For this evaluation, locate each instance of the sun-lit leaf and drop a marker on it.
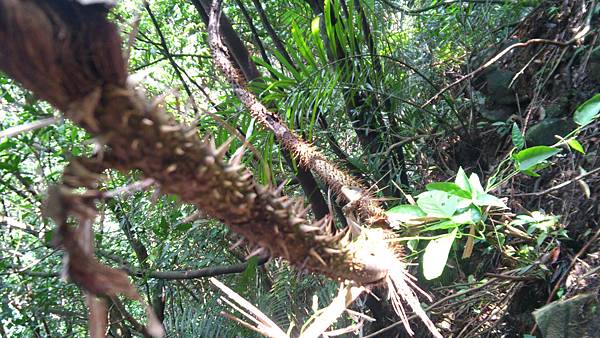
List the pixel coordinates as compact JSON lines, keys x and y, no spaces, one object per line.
{"x":528,"y":158}
{"x":476,"y":187}
{"x":471,"y":215}
{"x":462,"y":180}
{"x":575,"y":145}
{"x":315,"y":26}
{"x":436,"y":255}
{"x":449,"y":187}
{"x":438,"y":203}
{"x":587,"y":111}
{"x":405,"y":212}
{"x":489,"y":200}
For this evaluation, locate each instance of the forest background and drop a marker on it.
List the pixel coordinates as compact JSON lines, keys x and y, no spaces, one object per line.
{"x":472,"y":125}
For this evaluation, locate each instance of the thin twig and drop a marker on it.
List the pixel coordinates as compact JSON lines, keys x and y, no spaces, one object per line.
{"x":510,"y":277}
{"x":25,"y":127}
{"x":414,"y":316}
{"x":409,"y":11}
{"x":559,"y":186}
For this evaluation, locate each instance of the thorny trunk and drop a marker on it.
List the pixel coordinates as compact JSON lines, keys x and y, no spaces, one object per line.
{"x":241,"y":57}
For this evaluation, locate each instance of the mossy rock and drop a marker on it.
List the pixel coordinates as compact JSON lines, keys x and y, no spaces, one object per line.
{"x":594,"y":70}
{"x":543,"y":132}
{"x":575,"y":317}
{"x":558,"y":108}
{"x":498,"y":87}
{"x":500,"y":113}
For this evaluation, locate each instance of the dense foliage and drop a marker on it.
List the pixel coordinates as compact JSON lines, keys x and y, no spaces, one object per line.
{"x":461,"y":152}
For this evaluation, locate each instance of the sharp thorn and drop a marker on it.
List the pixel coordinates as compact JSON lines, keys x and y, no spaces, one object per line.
{"x":256,"y":252}
{"x":309,"y":228}
{"x":297,"y":220}
{"x":236,"y":244}
{"x":303,"y":212}
{"x":332,"y":251}
{"x":279,"y":188}
{"x":236,"y":159}
{"x":317,"y":257}
{"x":222,"y":150}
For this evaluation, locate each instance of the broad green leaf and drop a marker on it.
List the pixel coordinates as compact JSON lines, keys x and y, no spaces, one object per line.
{"x":183,"y":227}
{"x":471,"y":215}
{"x":441,"y":225}
{"x":407,"y":215}
{"x":489,"y":200}
{"x":436,"y":255}
{"x":587,"y":111}
{"x":462,"y":180}
{"x":575,"y":145}
{"x":406,"y":210}
{"x":528,"y":158}
{"x":449,"y":187}
{"x":438,"y":203}
{"x":476,"y":187}
{"x":517,"y":137}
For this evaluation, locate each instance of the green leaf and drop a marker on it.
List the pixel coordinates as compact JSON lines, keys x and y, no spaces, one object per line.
{"x":441,"y":225}
{"x":405,"y":211}
{"x":315,"y":29}
{"x":436,"y":255}
{"x":301,"y":45}
{"x":575,"y":145}
{"x":270,"y":68}
{"x":48,"y":237}
{"x":183,"y":227}
{"x":587,"y":111}
{"x":407,"y":215}
{"x":315,"y":26}
{"x":517,"y":137}
{"x":249,"y":274}
{"x":528,"y":158}
{"x":471,"y":215}
{"x":449,"y":187}
{"x":287,"y":65}
{"x":6,"y":144}
{"x":476,"y":187}
{"x":161,"y":229}
{"x":462,"y":180}
{"x":438,"y":203}
{"x":489,"y":200}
